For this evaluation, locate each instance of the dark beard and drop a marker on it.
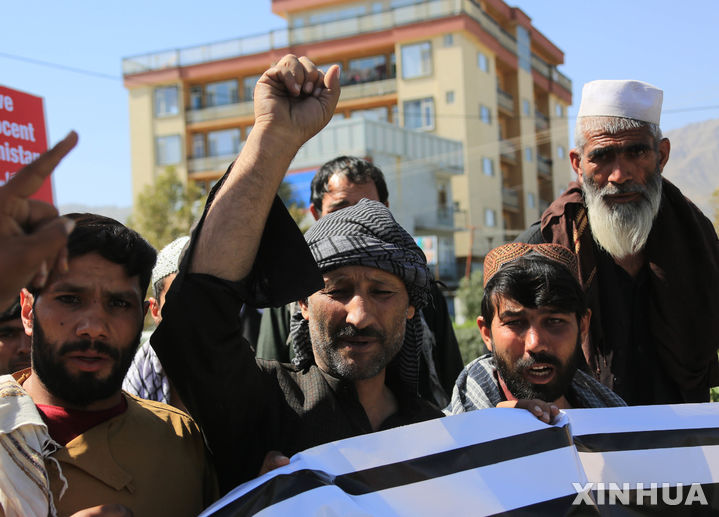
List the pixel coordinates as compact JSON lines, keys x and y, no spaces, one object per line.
{"x":523,"y":389}
{"x":83,"y":389}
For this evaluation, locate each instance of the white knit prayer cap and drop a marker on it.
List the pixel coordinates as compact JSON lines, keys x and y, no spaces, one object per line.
{"x":168,"y":260}
{"x":621,"y":98}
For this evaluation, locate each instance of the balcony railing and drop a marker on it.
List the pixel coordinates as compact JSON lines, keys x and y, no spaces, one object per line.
{"x":505,"y":101}
{"x":510,"y":197}
{"x":541,"y":121}
{"x":283,"y":38}
{"x":544,"y":165}
{"x":442,"y":218}
{"x":507,"y":150}
{"x":369,"y":89}
{"x":239,"y":109}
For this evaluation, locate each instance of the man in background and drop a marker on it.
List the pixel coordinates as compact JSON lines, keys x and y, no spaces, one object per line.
{"x":648,"y":258}
{"x":14,"y":344}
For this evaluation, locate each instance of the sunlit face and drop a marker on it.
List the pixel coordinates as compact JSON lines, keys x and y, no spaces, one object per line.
{"x":621,"y":180}
{"x":85,"y":327}
{"x":341,"y":193}
{"x":357,"y":322}
{"x":535,"y":349}
{"x":14,"y":346}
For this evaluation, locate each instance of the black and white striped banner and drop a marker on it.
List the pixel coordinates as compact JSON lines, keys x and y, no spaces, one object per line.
{"x":615,"y":461}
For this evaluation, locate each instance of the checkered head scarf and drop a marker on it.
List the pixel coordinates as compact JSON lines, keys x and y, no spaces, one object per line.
{"x":366,"y":234}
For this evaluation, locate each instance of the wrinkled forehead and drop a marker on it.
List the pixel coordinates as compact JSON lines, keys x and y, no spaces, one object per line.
{"x":362,"y":274}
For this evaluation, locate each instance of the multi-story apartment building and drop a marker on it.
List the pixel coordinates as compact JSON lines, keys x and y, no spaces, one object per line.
{"x":475,"y":72}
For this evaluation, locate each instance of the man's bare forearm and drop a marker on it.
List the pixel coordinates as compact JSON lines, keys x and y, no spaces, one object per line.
{"x":293,"y":101}
{"x":231,"y":234}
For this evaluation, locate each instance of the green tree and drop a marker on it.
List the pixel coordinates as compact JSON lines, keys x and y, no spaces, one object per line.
{"x":167,"y":209}
{"x":470,"y":294}
{"x":295,"y":206}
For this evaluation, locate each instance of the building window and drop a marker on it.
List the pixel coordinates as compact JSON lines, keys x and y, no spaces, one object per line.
{"x":221,"y":93}
{"x":416,"y":60}
{"x":166,"y":101}
{"x":196,"y":97}
{"x":448,"y":40}
{"x":168,"y":150}
{"x":526,"y":108}
{"x":223,"y":143}
{"x":419,"y":114}
{"x":365,"y":70}
{"x":560,"y":151}
{"x":450,"y":97}
{"x":248,"y":87}
{"x":482,"y":62}
{"x":488,"y":166}
{"x":485,"y":115}
{"x":378,"y":114}
{"x":489,"y":217}
{"x":198,"y":145}
{"x":528,"y":154}
{"x":524,"y":52}
{"x":531,"y":201}
{"x":559,"y":110}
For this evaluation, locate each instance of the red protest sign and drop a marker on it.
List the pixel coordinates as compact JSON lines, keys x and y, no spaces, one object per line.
{"x":23,"y":136}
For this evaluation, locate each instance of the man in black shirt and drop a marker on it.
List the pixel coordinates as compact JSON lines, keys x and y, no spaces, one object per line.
{"x":361,"y":281}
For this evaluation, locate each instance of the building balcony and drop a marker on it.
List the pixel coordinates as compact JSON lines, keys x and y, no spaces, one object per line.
{"x":551,"y":72}
{"x":507,"y":151}
{"x":360,"y":137}
{"x":283,"y":38}
{"x":510,"y":198}
{"x":440,"y":220}
{"x":238,"y":109}
{"x":541,"y":121}
{"x":544,"y":166}
{"x":505,"y":101}
{"x":369,"y":89}
{"x":210,"y":163}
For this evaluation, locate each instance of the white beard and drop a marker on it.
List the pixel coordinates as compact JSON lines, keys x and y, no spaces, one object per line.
{"x":622,"y":229}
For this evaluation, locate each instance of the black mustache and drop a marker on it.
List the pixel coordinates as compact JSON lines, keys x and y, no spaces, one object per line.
{"x":352,"y":331}
{"x":85,"y":345}
{"x":536,"y":358}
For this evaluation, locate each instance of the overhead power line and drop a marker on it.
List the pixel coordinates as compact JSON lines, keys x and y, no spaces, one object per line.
{"x":60,"y":67}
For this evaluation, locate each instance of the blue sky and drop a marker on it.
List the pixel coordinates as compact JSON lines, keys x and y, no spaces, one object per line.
{"x":670,"y":44}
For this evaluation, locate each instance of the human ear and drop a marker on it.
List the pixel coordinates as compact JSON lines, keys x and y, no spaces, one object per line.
{"x":305,"y":308}
{"x":26,"y":310}
{"x":486,"y":331}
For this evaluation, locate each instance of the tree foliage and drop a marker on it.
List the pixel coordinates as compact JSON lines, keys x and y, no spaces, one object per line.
{"x":295,"y":206}
{"x":470,"y":293}
{"x":167,"y":209}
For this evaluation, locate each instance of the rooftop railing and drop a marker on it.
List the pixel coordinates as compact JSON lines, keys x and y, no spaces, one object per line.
{"x":283,"y":38}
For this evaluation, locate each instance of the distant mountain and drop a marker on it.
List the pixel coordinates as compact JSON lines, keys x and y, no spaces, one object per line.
{"x":693,"y":164}
{"x":121,"y":213}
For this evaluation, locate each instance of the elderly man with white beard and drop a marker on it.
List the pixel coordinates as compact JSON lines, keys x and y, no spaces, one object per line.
{"x":648,"y":258}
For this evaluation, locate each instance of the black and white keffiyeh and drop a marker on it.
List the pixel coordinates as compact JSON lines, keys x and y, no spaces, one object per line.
{"x":366,"y":234}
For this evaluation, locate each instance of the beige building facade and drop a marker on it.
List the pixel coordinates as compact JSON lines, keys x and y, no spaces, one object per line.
{"x":469,"y":73}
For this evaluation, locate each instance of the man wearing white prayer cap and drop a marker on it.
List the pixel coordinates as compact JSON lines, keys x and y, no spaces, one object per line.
{"x":648,"y":259}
